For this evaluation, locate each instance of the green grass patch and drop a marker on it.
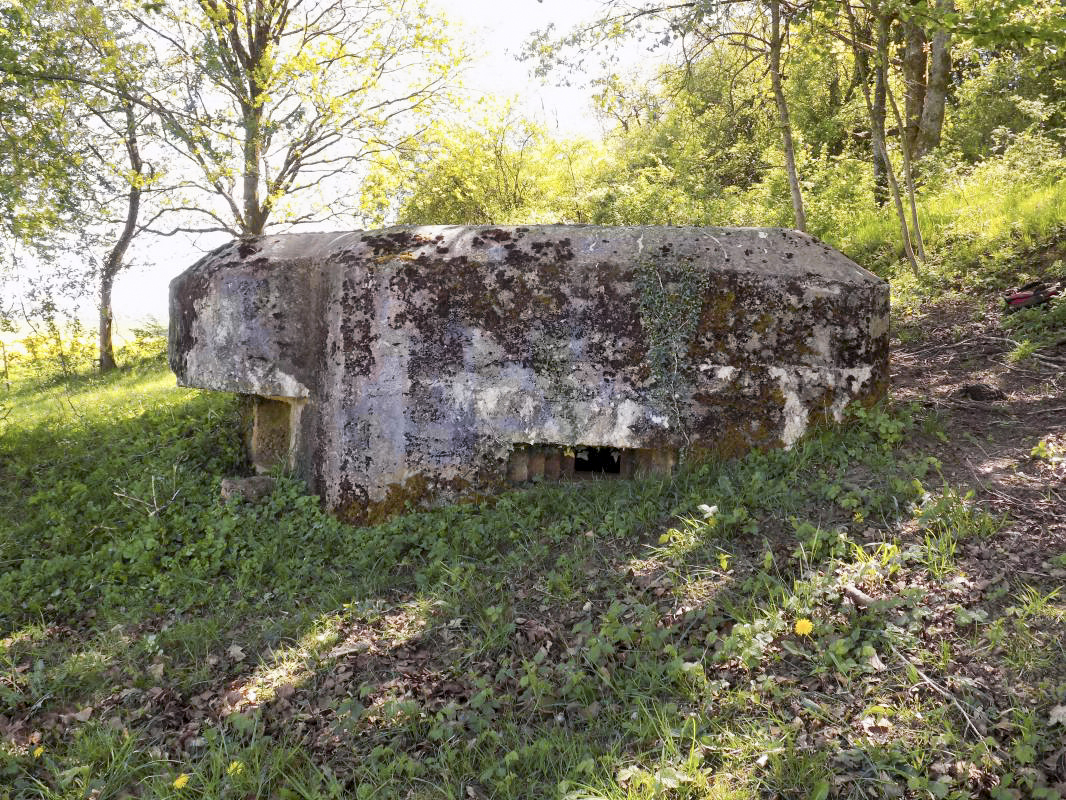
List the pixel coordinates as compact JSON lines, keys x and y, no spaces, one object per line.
{"x":994,"y":226}
{"x":692,"y":637}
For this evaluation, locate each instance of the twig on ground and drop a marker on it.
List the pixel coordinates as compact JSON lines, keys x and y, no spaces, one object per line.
{"x":858,"y":596}
{"x":978,"y":405}
{"x":947,"y":695}
{"x":1014,"y":368}
{"x":942,"y":346}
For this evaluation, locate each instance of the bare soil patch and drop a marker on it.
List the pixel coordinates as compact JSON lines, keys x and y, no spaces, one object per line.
{"x":954,"y":358}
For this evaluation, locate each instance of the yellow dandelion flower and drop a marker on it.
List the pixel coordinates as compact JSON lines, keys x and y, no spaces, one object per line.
{"x":235,"y":768}
{"x":804,"y":627}
{"x":38,"y":752}
{"x":180,"y":781}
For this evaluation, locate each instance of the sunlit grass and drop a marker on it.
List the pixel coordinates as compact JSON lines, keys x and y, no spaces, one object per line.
{"x":89,"y":401}
{"x":975,"y":228}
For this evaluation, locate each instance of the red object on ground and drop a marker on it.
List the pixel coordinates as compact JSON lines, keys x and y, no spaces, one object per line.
{"x":1032,"y":294}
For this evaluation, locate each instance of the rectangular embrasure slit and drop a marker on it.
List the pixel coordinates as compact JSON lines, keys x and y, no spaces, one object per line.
{"x":562,"y":462}
{"x":598,"y":461}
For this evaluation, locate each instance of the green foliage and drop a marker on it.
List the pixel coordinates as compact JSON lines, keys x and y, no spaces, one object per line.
{"x":994,"y":215}
{"x":1038,"y":327}
{"x":689,"y":163}
{"x":704,"y":148}
{"x":1003,"y":96}
{"x":40,"y":168}
{"x":121,"y":536}
{"x":1047,"y":450}
{"x":504,"y":170}
{"x":53,"y":353}
{"x":671,"y":299}
{"x":984,"y":227}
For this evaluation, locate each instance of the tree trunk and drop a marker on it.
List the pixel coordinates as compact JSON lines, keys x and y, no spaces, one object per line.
{"x":908,"y":177}
{"x":932,"y":121}
{"x":783,"y":117}
{"x":836,"y":145}
{"x":914,"y":62}
{"x":107,"y":350}
{"x":893,"y":185}
{"x":259,"y":28}
{"x":57,"y":341}
{"x":876,"y":134}
{"x":255,"y":215}
{"x":877,"y":121}
{"x":114,"y":262}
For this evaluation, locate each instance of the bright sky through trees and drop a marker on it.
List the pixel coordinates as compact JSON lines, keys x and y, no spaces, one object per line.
{"x":495,"y":33}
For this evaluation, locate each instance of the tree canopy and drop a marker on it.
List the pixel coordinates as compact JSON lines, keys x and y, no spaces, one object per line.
{"x":264,"y":113}
{"x":239,"y":117}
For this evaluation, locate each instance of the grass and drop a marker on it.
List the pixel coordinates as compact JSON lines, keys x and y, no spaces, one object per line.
{"x":997,"y":225}
{"x":985,"y":220}
{"x":619,"y":639}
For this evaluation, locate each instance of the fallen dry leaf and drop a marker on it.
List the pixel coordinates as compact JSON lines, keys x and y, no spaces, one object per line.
{"x":349,"y":648}
{"x":878,"y":725}
{"x":1057,"y":716}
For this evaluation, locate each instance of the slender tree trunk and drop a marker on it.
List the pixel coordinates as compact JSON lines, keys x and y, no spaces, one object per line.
{"x":890,"y":173}
{"x":255,"y":215}
{"x":893,"y":187}
{"x":908,"y":178}
{"x":784,"y":123}
{"x":877,"y":121}
{"x":107,"y":350}
{"x":114,"y":262}
{"x":836,"y":146}
{"x":878,"y":137}
{"x":932,"y":121}
{"x":61,"y":354}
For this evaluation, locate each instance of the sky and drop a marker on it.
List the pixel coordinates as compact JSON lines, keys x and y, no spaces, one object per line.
{"x":498,"y":30}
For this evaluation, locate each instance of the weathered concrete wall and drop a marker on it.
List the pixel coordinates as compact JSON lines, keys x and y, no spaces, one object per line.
{"x":413,"y":364}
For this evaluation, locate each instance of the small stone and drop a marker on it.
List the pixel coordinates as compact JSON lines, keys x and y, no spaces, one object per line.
{"x":247,"y":490}
{"x":982,"y":392}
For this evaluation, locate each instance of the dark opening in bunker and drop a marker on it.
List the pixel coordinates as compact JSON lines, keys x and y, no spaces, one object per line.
{"x":598,"y":460}
{"x":561,"y":462}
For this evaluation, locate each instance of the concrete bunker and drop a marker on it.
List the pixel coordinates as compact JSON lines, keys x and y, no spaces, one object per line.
{"x":409,"y":366}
